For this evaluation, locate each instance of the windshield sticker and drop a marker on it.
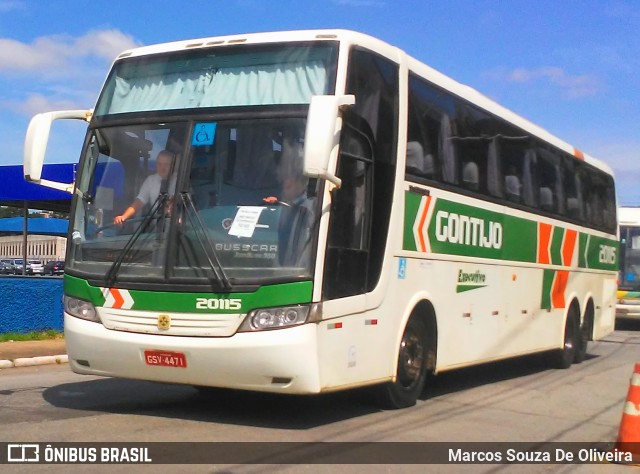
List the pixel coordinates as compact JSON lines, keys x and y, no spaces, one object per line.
{"x":246,"y":221}
{"x":203,"y":134}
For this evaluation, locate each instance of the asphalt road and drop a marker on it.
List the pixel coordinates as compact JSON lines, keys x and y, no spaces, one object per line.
{"x":520,"y":400}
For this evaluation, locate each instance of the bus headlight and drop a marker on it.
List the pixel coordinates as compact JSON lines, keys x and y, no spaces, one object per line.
{"x":275,"y":318}
{"x":80,"y":309}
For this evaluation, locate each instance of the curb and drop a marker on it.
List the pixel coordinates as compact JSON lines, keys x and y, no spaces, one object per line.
{"x":33,"y":361}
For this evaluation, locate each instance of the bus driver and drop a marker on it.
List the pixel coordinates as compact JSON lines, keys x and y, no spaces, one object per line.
{"x":151,"y":186}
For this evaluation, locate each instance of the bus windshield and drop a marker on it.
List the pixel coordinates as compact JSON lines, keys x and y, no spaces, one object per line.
{"x":232,"y":207}
{"x":192,"y":169}
{"x":629,"y":258}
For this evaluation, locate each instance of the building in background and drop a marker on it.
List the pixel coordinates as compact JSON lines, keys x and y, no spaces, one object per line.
{"x":45,"y":238}
{"x":40,"y":247}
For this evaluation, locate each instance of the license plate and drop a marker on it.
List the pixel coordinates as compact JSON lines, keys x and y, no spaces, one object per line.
{"x":165,"y":358}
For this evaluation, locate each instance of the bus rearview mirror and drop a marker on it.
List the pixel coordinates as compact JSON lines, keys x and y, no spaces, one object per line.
{"x":322,"y":136}
{"x":35,"y":145}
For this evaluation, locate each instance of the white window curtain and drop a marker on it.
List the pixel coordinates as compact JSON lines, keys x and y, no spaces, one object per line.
{"x":291,"y":83}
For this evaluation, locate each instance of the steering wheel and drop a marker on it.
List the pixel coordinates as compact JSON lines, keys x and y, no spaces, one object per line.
{"x":97,"y":230}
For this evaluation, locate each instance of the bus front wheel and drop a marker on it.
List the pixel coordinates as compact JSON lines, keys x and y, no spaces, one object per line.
{"x":411,"y":371}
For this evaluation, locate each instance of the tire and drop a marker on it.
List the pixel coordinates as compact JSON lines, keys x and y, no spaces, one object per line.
{"x":583,"y":340}
{"x":411,"y":370}
{"x":207,"y":391}
{"x":563,"y":358}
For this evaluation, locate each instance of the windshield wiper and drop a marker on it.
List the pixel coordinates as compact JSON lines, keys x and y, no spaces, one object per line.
{"x":205,"y":243}
{"x":157,"y":205}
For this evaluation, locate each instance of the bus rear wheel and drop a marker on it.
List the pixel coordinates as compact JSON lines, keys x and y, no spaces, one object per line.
{"x":563,"y":358}
{"x":411,"y":370}
{"x":583,"y":340}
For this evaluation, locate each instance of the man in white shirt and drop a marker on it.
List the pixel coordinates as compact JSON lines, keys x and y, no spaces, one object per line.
{"x":150,"y":188}
{"x":296,"y":220}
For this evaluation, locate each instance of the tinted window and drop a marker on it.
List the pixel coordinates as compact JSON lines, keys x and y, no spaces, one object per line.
{"x":348,"y":239}
{"x":572,"y":183}
{"x":454,"y":144}
{"x":367,"y":165}
{"x":428,"y":129}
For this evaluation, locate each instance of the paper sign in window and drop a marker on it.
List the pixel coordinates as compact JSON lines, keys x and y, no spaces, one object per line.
{"x":246,"y":220}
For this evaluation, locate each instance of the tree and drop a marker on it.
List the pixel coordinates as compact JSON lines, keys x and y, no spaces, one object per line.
{"x":6,"y":211}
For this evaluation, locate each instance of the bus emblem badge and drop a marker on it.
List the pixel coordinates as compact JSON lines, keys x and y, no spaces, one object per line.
{"x":164,"y":322}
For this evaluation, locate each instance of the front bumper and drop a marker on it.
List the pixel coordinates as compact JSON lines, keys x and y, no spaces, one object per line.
{"x":283,"y":361}
{"x":628,"y":311}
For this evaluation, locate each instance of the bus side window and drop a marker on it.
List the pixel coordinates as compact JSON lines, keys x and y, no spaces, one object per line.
{"x":573,"y":189}
{"x":471,"y":176}
{"x":546,"y":199}
{"x":600,"y":204}
{"x":424,"y":130}
{"x":475,"y":129}
{"x":512,"y":187}
{"x":348,"y":240}
{"x":418,"y":163}
{"x":548,"y":179}
{"x":447,"y":149}
{"x":593,"y":204}
{"x":494,"y":184}
{"x":528,"y":178}
{"x":510,"y":177}
{"x":610,"y":209}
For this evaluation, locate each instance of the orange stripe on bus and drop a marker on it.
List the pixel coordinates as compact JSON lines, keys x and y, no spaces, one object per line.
{"x":118,"y":299}
{"x":423,"y":218}
{"x":544,"y":239}
{"x":559,"y":287}
{"x":568,"y":246}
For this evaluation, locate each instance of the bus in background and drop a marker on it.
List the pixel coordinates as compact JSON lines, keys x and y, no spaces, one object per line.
{"x":628,"y":306}
{"x":329,"y":213}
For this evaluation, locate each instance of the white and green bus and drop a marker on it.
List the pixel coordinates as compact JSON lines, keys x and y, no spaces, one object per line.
{"x":432,"y":228}
{"x":629,"y":280}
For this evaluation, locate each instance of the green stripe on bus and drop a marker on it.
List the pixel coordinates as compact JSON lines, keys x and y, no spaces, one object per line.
{"x":582,"y":256}
{"x":460,"y":229}
{"x":520,"y":239}
{"x":602,"y":253}
{"x":547,"y":283}
{"x":463,"y":288}
{"x":411,"y":206}
{"x":266,"y":296}
{"x":556,"y":245}
{"x":79,"y":288}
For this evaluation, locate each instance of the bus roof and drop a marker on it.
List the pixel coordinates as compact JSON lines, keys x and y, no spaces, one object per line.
{"x":394,"y":53}
{"x":629,"y":216}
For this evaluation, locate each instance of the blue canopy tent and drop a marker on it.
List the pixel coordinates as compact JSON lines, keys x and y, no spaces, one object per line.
{"x":39,"y":226}
{"x":15,"y":191}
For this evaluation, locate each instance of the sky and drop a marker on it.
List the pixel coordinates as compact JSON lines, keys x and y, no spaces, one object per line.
{"x":571,"y":66}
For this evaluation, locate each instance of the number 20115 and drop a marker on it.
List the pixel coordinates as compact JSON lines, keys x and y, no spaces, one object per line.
{"x":218,"y":303}
{"x":607,"y":254}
